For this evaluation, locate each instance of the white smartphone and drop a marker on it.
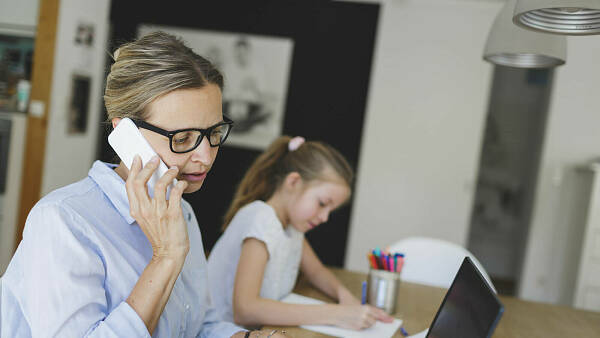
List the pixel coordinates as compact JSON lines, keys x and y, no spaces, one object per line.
{"x":127,"y":141}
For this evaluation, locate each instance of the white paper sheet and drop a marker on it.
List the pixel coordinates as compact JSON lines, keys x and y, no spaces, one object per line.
{"x":379,"y":330}
{"x":421,"y":334}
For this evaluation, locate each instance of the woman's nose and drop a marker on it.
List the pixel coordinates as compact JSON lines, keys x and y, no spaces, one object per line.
{"x":203,"y":153}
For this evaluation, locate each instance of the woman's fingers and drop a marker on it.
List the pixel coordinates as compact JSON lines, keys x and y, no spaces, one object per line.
{"x":160,"y":188}
{"x":140,"y":180}
{"x":161,"y":220}
{"x":134,"y":205}
{"x":175,"y":198}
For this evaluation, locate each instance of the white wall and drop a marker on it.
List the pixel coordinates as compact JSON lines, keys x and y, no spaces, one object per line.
{"x":572,"y":138}
{"x":69,"y":157}
{"x":425,"y":117}
{"x":424,"y":124}
{"x":18,"y":17}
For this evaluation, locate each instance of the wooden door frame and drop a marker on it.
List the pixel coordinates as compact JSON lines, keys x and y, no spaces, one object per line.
{"x":41,"y":89}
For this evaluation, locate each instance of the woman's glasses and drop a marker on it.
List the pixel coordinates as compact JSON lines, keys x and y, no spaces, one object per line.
{"x":186,"y":140}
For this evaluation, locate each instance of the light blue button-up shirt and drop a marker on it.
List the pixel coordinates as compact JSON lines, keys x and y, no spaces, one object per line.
{"x":80,"y":257}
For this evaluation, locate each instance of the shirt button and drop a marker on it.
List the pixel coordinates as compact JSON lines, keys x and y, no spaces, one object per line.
{"x":187,"y":306}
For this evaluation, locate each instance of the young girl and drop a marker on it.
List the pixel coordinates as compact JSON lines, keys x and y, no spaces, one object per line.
{"x":290,"y":189}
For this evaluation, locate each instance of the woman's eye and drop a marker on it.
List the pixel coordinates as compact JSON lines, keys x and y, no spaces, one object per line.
{"x":321,"y":204}
{"x":181,"y":140}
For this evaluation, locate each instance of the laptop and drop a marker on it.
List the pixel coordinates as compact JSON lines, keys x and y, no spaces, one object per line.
{"x":470,"y":308}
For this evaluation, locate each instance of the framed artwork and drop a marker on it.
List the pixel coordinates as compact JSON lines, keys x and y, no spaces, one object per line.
{"x":79,"y":104}
{"x":256,"y":71}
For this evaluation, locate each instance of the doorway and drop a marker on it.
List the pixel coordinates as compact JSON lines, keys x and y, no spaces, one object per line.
{"x":508,"y":169}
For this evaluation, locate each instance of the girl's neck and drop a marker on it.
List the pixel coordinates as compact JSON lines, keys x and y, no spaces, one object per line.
{"x":276,"y":202}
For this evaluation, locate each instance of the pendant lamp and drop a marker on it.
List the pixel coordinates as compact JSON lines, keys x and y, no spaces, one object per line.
{"x":568,"y":17}
{"x":513,"y":46}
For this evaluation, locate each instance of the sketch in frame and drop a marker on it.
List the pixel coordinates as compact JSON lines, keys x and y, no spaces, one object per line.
{"x":256,"y":70}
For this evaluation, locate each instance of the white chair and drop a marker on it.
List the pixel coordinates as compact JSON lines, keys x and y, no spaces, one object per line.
{"x":432,"y":261}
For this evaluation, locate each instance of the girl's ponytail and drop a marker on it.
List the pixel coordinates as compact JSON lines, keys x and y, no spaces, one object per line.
{"x":260,"y":181}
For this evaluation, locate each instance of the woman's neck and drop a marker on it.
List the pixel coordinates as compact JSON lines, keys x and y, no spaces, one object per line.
{"x":122,"y":171}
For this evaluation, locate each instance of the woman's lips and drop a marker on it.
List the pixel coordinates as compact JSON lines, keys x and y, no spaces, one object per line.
{"x":312,"y":225}
{"x":194,"y":177}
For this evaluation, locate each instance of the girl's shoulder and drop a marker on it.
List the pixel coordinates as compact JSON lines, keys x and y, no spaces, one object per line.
{"x":257,"y":209}
{"x":257,"y":213}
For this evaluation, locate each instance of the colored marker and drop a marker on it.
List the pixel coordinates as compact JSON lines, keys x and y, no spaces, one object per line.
{"x":372,"y":261}
{"x":404,"y":333}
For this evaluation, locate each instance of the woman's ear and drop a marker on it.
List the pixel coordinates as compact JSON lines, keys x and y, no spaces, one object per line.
{"x":115,"y":121}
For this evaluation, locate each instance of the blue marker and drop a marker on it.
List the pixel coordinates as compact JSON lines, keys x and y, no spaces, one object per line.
{"x":404,"y":333}
{"x":364,"y":292}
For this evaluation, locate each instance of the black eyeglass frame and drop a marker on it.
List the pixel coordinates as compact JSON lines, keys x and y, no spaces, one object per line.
{"x":203,"y":133}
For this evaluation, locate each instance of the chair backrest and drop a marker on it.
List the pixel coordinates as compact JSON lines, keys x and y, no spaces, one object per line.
{"x":433,"y":261}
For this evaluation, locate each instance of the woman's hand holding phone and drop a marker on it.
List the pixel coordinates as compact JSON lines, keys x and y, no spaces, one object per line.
{"x":160,"y":219}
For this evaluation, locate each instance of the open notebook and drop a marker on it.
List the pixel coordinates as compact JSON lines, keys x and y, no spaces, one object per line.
{"x":379,"y":330}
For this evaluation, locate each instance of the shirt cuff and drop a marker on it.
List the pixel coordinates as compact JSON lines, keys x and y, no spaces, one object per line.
{"x":233,"y":329}
{"x":131,"y":325}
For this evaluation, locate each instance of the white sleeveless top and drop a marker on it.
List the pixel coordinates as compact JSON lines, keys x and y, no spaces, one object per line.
{"x":257,"y":220}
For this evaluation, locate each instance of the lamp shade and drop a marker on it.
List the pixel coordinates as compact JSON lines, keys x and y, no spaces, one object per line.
{"x":512,"y":46}
{"x":569,"y":17}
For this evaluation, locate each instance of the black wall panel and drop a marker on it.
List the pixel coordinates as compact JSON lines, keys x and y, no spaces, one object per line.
{"x":328,"y":84}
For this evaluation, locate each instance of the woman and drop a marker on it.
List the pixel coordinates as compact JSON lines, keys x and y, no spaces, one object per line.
{"x":100,"y":257}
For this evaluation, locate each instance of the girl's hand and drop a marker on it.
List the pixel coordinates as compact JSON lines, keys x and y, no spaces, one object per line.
{"x":358,"y":317}
{"x":346,"y":298}
{"x":161,"y":221}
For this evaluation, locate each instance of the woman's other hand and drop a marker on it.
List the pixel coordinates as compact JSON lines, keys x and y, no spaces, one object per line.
{"x":161,"y":221}
{"x":262,"y":334}
{"x":358,"y":317}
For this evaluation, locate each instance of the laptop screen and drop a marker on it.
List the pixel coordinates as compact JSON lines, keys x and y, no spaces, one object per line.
{"x":470,"y":308}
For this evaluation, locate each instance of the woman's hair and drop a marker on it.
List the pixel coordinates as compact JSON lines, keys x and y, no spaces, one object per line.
{"x":149,"y":67}
{"x":269,"y":170}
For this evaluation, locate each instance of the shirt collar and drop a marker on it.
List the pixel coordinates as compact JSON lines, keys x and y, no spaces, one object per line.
{"x":113,"y":187}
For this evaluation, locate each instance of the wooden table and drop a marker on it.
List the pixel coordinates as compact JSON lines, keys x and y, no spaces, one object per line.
{"x":417,"y":305}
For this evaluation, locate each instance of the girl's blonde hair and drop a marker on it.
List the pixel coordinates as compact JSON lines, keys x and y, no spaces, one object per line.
{"x":270,"y":169}
{"x":149,"y":67}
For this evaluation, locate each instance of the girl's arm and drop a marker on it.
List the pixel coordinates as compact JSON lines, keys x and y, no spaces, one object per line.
{"x":319,"y":276}
{"x":250,"y":309}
